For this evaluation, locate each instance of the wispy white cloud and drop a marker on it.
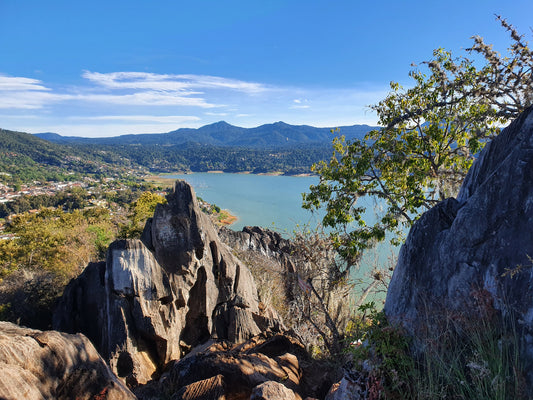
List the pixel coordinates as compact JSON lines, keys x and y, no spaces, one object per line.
{"x":29,"y":99}
{"x":149,"y":89}
{"x":177,"y":119}
{"x":299,"y":104}
{"x":205,"y":81}
{"x":216,"y":114}
{"x":148,"y":98}
{"x":167,"y":82}
{"x":20,"y":84}
{"x":25,"y":93}
{"x":300,"y":107}
{"x":126,"y":88}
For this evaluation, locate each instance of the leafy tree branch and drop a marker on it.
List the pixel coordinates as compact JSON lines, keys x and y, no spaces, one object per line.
{"x":431,"y":133}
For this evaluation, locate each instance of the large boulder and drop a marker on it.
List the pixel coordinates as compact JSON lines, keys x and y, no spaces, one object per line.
{"x":53,"y":365}
{"x":155,"y":299}
{"x":472,"y":253}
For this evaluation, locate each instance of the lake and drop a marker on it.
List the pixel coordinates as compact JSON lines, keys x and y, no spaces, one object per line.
{"x":274,"y":202}
{"x":256,"y":200}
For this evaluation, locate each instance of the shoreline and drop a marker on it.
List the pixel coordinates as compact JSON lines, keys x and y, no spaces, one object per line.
{"x":163,"y":177}
{"x":229,"y":219}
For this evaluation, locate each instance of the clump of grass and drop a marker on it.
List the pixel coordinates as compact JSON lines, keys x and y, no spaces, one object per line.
{"x":381,"y":354}
{"x":474,"y":354}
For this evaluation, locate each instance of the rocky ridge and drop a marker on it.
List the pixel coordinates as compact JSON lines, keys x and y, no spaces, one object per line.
{"x":178,"y":311}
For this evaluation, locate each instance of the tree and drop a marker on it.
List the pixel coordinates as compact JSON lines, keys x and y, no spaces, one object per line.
{"x":140,"y":211}
{"x":430,"y":135}
{"x":319,"y":288}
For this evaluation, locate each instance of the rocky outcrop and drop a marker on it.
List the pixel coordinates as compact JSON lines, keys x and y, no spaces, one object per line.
{"x":206,"y":389}
{"x":254,"y":238}
{"x":345,"y":389}
{"x":154,"y":300}
{"x":239,"y":371}
{"x":52,"y":365}
{"x":474,"y":252}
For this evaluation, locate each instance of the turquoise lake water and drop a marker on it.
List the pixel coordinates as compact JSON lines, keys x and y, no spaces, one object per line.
{"x":256,"y":200}
{"x":274,"y":202}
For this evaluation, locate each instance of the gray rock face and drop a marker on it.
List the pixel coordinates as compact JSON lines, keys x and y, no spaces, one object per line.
{"x":272,"y":390}
{"x":154,"y":300}
{"x":253,"y":238}
{"x":346,"y":390}
{"x":463,"y":247}
{"x":262,"y":245}
{"x":52,"y":365}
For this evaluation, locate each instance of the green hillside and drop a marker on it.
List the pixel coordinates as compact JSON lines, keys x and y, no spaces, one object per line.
{"x":25,"y":158}
{"x":277,"y":147}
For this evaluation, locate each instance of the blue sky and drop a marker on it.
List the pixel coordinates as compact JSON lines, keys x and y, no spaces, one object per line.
{"x":104,"y":68}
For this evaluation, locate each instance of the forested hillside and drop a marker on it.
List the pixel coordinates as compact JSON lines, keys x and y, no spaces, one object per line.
{"x":268,"y":148}
{"x":24,"y":158}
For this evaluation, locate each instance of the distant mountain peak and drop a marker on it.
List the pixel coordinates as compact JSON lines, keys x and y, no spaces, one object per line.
{"x":47,"y":135}
{"x":220,"y":124}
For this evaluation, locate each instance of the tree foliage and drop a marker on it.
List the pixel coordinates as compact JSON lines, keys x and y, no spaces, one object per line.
{"x":61,"y":243}
{"x":140,"y":210}
{"x":430,"y":135}
{"x":47,"y":249}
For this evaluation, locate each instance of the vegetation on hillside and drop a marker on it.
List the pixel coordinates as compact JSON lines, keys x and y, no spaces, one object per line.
{"x":45,"y":250}
{"x":25,"y":158}
{"x":202,"y":158}
{"x":139,"y":212}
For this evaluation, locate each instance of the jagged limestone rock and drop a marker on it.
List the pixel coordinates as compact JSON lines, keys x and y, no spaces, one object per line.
{"x":207,"y":389}
{"x":53,"y":365}
{"x":254,"y":238}
{"x":457,"y":256}
{"x":156,"y":299}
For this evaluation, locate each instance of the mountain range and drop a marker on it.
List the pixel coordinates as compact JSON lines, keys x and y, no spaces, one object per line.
{"x":277,"y":147}
{"x":221,"y":133}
